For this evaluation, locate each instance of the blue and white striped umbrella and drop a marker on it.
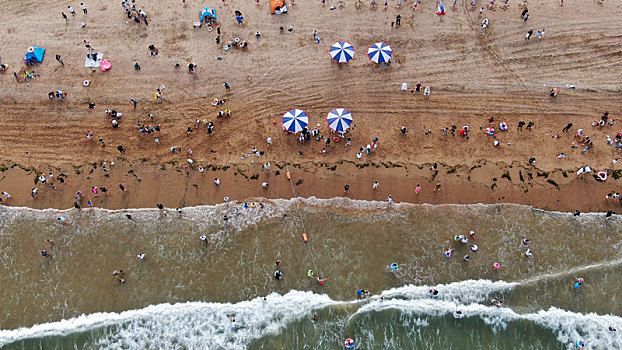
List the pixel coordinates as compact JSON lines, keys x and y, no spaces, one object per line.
{"x":339,"y":119}
{"x":342,"y":51}
{"x":380,"y":52}
{"x":295,"y":120}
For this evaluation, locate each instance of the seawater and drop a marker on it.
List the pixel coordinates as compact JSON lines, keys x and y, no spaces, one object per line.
{"x":185,"y":293}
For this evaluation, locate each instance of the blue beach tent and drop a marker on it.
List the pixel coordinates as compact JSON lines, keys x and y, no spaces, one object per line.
{"x":35,"y":54}
{"x":208,"y":14}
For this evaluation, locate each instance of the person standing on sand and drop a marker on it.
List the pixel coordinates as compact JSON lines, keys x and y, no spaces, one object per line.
{"x":64,"y":17}
{"x":71,"y":10}
{"x":375,"y":186}
{"x":83,"y":6}
{"x":417,"y":189}
{"x":60,"y":60}
{"x":227,"y":86}
{"x":437,"y":187}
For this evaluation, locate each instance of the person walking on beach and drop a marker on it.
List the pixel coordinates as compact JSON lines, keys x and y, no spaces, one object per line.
{"x":64,"y":17}
{"x":121,"y":149}
{"x":83,"y":6}
{"x":60,"y":60}
{"x":375,"y":186}
{"x":133,"y":102}
{"x":71,"y":10}
{"x":567,"y":127}
{"x":522,"y":15}
{"x":417,"y":189}
{"x":227,"y":86}
{"x":437,"y":187}
{"x":528,"y":35}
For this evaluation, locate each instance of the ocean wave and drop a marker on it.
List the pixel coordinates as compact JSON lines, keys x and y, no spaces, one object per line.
{"x":188,"y":325}
{"x":335,"y":202}
{"x":568,"y":327}
{"x":192,"y":324}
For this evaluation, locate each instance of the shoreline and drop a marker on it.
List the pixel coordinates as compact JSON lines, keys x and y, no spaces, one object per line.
{"x":150,"y":184}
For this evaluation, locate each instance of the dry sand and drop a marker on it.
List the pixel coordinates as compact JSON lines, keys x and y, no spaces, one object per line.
{"x":474,"y":74}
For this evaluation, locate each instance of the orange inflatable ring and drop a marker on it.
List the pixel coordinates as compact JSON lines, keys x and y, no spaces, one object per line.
{"x":336,"y":139}
{"x":31,"y":49}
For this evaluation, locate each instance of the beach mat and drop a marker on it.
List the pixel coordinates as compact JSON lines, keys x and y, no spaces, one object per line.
{"x":91,"y":63}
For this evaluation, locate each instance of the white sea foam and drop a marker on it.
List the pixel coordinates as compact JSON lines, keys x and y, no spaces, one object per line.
{"x":469,"y":291}
{"x":567,"y":326}
{"x":191,"y":325}
{"x":201,"y":324}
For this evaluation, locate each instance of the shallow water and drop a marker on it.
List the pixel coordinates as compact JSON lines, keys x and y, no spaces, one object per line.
{"x":352,"y":243}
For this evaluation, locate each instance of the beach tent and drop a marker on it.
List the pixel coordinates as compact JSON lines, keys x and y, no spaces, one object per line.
{"x":342,"y":51}
{"x":295,"y":120}
{"x":339,"y":119}
{"x":208,"y":14}
{"x":278,"y":7}
{"x":34,"y":54}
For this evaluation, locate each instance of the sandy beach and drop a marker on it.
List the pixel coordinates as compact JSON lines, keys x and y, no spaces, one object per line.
{"x":474,"y":74}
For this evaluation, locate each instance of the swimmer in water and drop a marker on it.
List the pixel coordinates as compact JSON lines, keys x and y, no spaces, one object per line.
{"x":612,"y":329}
{"x":141,"y":256}
{"x":528,"y":253}
{"x":467,"y":258}
{"x":61,"y":219}
{"x":314,"y":317}
{"x":278,"y":275}
{"x":204,"y":239}
{"x":277,"y":263}
{"x":474,"y":247}
{"x":394,"y":267}
{"x":310,"y":274}
{"x":464,"y":240}
{"x":496,"y":302}
{"x":321,"y":280}
{"x":433,"y":292}
{"x":525,"y":241}
{"x":472,"y":233}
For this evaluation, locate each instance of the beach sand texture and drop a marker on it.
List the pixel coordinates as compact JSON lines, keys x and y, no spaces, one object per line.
{"x":474,"y":74}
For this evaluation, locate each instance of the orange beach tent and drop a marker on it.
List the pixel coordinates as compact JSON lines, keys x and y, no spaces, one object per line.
{"x":277,"y":6}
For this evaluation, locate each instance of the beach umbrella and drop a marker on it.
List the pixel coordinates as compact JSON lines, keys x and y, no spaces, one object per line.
{"x":342,"y":51}
{"x":380,"y":52}
{"x":339,"y":119}
{"x":295,"y":120}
